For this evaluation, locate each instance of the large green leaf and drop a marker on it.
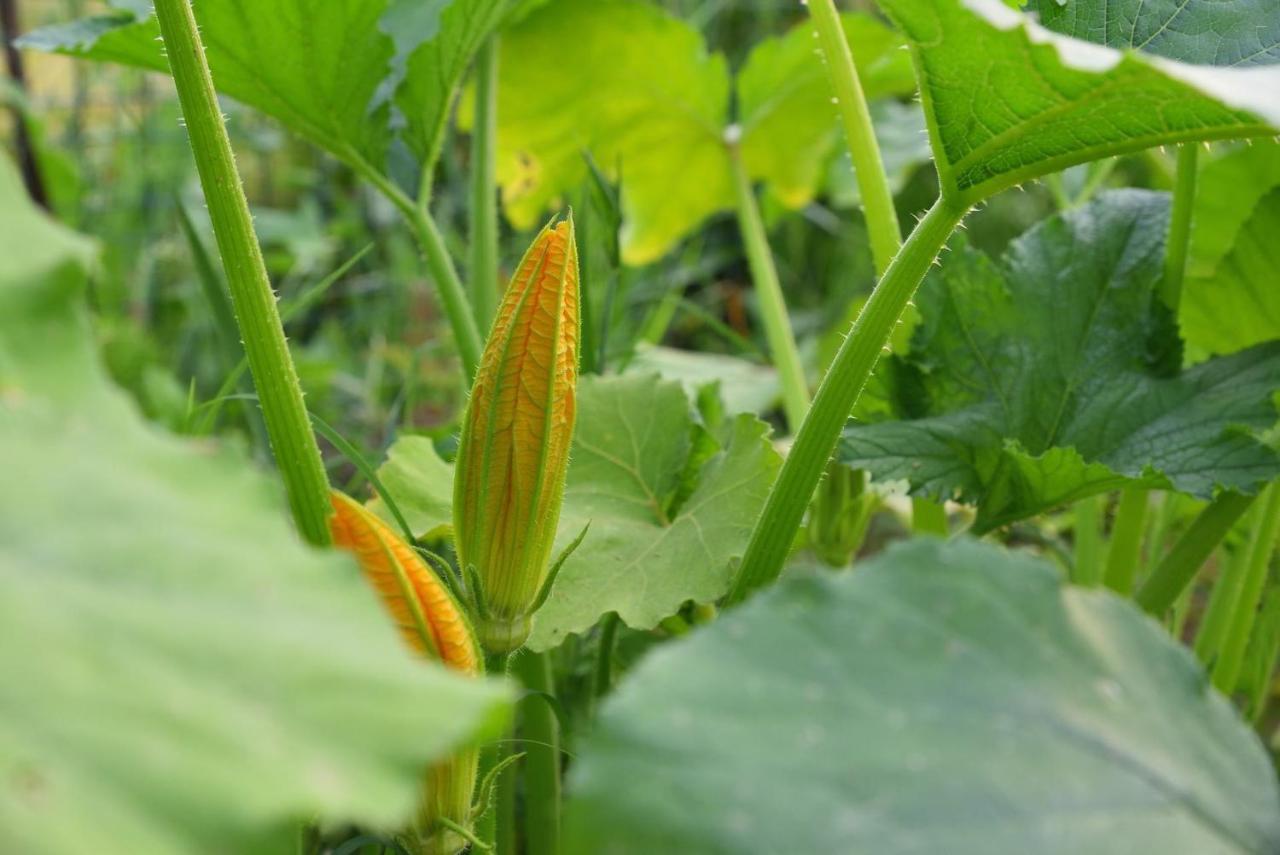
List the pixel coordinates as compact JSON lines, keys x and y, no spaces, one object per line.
{"x":652,"y":544}
{"x":323,"y":70}
{"x":945,"y":697}
{"x":181,"y":673}
{"x":1230,"y":299}
{"x":1206,"y":32}
{"x":580,"y":75}
{"x":1055,"y":374}
{"x":1009,"y":100}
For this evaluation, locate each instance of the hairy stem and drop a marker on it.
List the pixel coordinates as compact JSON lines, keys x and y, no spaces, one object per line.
{"x":1262,"y":543}
{"x":775,"y":531}
{"x":877,"y":198}
{"x":540,"y":735}
{"x":1177,"y":569}
{"x":773,"y":308}
{"x":267,"y":351}
{"x":1125,"y":552}
{"x":484,"y":187}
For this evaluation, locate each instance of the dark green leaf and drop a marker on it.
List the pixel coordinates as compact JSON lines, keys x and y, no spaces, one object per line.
{"x":1054,"y":374}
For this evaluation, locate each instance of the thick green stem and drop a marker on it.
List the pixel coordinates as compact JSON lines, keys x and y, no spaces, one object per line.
{"x":270,"y":362}
{"x":1175,"y":255}
{"x":1177,"y":569}
{"x":484,"y":187}
{"x":1125,"y":552}
{"x":775,"y":531}
{"x":540,"y":735}
{"x":877,"y":197}
{"x":773,"y":308}
{"x":1262,"y":543}
{"x":453,"y":297}
{"x":1087,"y":534}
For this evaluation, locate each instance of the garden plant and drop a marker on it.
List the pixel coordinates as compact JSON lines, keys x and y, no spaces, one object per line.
{"x":770,"y":428}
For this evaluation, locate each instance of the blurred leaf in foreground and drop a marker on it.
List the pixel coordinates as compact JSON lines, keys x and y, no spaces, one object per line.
{"x":181,"y":673}
{"x":944,"y":697}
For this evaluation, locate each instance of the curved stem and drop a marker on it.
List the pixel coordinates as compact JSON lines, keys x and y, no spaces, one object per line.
{"x":540,"y":734}
{"x":775,"y":531}
{"x":877,"y":197}
{"x":453,"y":297}
{"x":483,"y":274}
{"x":773,"y":308}
{"x":1125,"y":553}
{"x":267,"y":351}
{"x":1262,"y":543}
{"x":1176,"y":571}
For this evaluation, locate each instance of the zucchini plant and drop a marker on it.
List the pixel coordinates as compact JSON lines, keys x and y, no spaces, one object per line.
{"x":622,"y":630}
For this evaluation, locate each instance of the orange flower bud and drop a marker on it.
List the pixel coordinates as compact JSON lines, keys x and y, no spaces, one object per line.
{"x":515,"y":439}
{"x":429,"y":618}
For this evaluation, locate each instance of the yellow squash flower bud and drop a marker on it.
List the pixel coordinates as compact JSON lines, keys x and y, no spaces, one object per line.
{"x":434,"y":625}
{"x":515,"y":440}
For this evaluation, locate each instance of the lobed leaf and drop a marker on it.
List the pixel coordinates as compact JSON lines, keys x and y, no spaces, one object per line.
{"x":654,"y":130}
{"x":1055,"y":374}
{"x":648,"y":552}
{"x":945,"y":697}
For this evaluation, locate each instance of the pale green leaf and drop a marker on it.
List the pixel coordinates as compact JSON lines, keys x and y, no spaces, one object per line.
{"x":638,"y":89}
{"x":422,"y":486}
{"x":1230,"y":299}
{"x":644,"y":556}
{"x":634,"y":86}
{"x":943,"y":697}
{"x":1055,"y":374}
{"x":1009,"y":100}
{"x":182,"y":674}
{"x":744,"y":387}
